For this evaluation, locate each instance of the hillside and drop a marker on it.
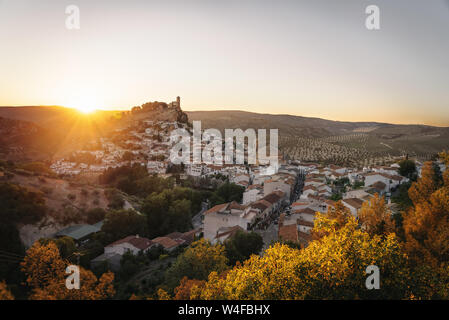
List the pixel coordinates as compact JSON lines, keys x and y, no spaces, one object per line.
{"x":43,"y":132}
{"x":315,"y":139}
{"x":52,"y":131}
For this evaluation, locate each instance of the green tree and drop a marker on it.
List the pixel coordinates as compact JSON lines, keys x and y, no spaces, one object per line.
{"x":407,"y":168}
{"x":197,"y":262}
{"x":227,"y":192}
{"x":242,"y":245}
{"x":95,"y":215}
{"x":122,"y":223}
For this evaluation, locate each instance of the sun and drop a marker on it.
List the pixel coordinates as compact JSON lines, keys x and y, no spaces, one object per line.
{"x":85,"y":104}
{"x":85,"y":109}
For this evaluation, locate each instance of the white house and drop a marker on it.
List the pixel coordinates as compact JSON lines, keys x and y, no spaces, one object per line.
{"x":134,"y":244}
{"x":353,"y":204}
{"x":252,"y":195}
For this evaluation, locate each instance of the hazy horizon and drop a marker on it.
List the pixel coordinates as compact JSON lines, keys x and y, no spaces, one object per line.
{"x":304,"y":58}
{"x":238,"y":110}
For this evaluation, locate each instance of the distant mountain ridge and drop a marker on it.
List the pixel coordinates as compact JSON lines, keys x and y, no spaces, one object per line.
{"x":68,"y":129}
{"x":338,"y":142}
{"x":290,"y":124}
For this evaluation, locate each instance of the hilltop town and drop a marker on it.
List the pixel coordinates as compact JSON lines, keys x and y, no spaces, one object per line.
{"x":279,"y":206}
{"x":120,"y":204}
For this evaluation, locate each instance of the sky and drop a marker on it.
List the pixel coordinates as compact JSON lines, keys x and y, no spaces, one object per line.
{"x":308,"y":58}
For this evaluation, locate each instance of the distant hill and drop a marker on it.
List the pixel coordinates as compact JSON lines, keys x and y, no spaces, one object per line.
{"x":37,"y":132}
{"x":287,"y":124}
{"x":316,"y":139}
{"x":57,"y":130}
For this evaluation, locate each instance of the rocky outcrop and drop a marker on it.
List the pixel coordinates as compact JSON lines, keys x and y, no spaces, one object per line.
{"x":160,"y":111}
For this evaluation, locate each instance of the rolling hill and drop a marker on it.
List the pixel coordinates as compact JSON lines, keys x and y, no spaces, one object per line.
{"x":315,"y":139}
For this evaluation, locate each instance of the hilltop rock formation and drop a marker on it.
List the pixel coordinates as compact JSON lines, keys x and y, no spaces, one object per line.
{"x":160,"y":111}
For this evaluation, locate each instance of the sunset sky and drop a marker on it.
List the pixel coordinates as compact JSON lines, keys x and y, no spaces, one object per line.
{"x":309,"y":58}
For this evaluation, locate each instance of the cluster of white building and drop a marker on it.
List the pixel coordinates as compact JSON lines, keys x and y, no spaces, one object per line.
{"x":296,"y":224}
{"x":150,"y":147}
{"x":265,"y":196}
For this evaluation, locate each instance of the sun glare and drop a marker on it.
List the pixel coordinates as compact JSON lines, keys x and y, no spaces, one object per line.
{"x":84,"y":105}
{"x":85,"y":109}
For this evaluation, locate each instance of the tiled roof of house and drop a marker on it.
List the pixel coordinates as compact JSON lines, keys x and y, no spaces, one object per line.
{"x":280,"y":193}
{"x":236,"y":206}
{"x":306,"y":211}
{"x":138,"y":242}
{"x":306,"y":223}
{"x":166,"y":242}
{"x":174,"y":235}
{"x":288,"y":232}
{"x":354,"y":202}
{"x":304,"y":237}
{"x":379,"y":185}
{"x":309,"y":187}
{"x":189,"y":236}
{"x":272,"y":198}
{"x":218,"y":207}
{"x":294,"y":204}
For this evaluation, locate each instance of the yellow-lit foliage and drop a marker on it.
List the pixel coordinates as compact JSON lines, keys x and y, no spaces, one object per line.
{"x":375,"y":217}
{"x":183,"y":291}
{"x":45,"y":274}
{"x":332,"y":267}
{"x":421,"y":190}
{"x":426,"y":225}
{"x":335,"y":218}
{"x":5,"y":294}
{"x":163,"y":295}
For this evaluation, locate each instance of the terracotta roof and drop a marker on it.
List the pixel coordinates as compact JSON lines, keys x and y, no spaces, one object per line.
{"x":189,"y":236}
{"x":288,"y":232}
{"x":396,"y":177}
{"x":306,"y":223}
{"x":166,"y":242}
{"x":354,"y":202}
{"x":304,"y":237}
{"x":294,"y":204}
{"x":235,"y":205}
{"x":218,"y":207}
{"x":136,"y":241}
{"x":272,"y":198}
{"x":259,"y":205}
{"x":334,"y":167}
{"x":309,"y":188}
{"x":313,"y":180}
{"x":379,"y":185}
{"x":280,"y":193}
{"x":306,"y":211}
{"x":174,"y":235}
